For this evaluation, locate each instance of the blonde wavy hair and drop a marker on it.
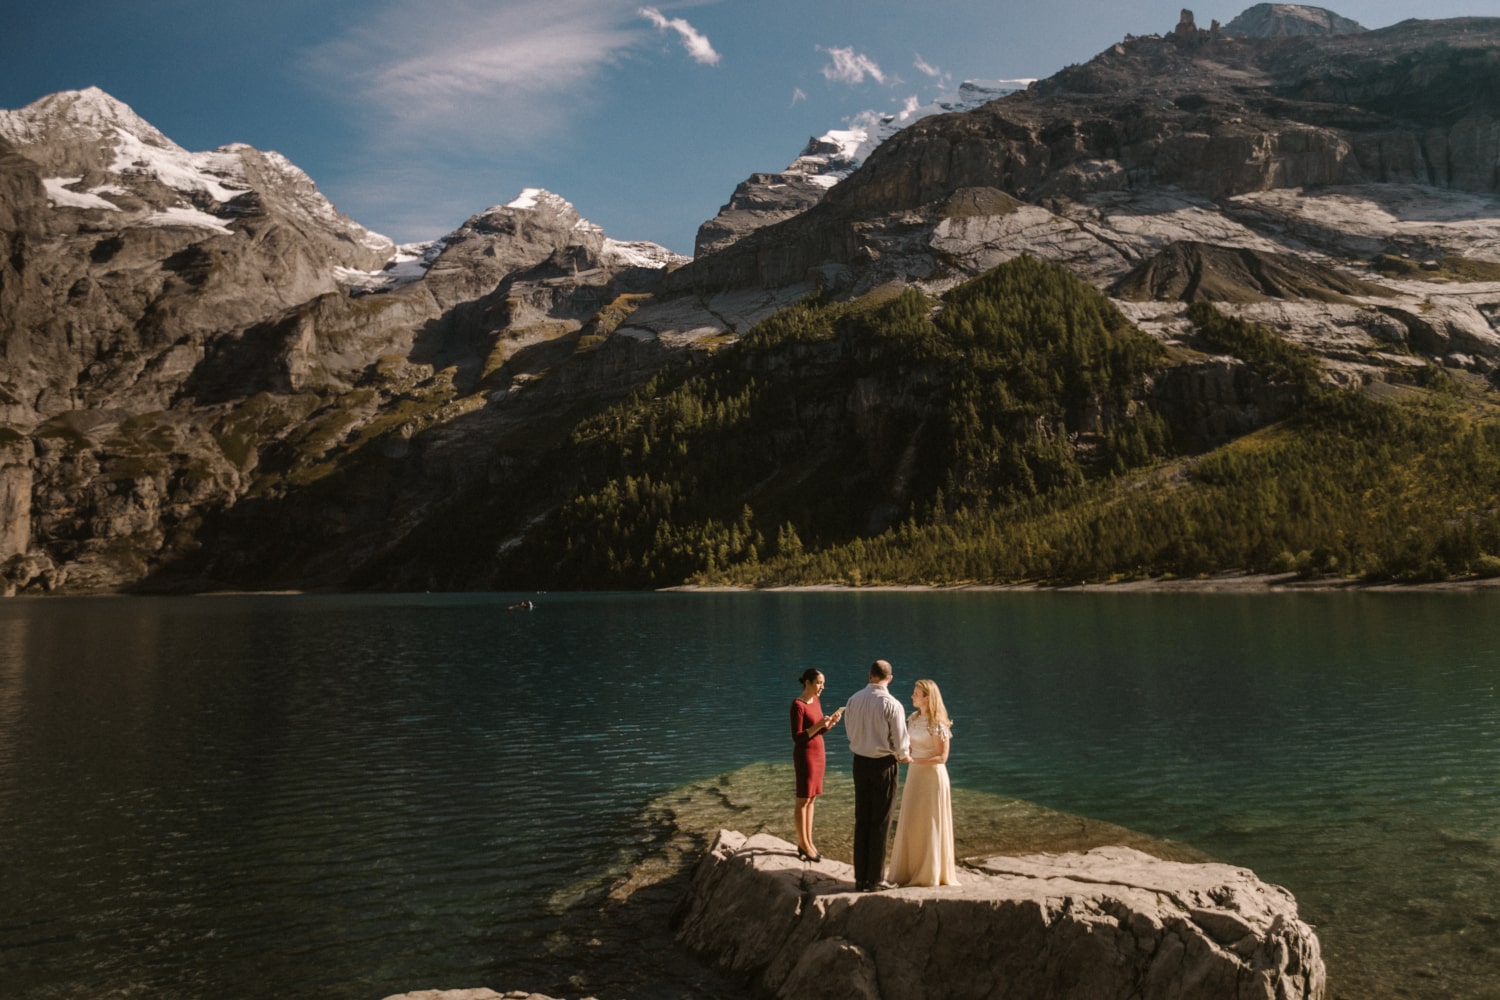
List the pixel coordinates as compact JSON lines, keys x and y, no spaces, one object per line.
{"x":937,"y":712}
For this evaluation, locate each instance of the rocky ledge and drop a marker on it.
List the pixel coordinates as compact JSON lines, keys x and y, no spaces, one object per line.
{"x":1112,"y":922}
{"x":480,"y":993}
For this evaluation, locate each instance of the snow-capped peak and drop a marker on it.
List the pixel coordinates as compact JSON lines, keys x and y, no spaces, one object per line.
{"x":531,"y":199}
{"x":534,"y":199}
{"x":88,"y":132}
{"x":528,"y":198}
{"x":78,"y":114}
{"x":220,"y":174}
{"x":829,"y":158}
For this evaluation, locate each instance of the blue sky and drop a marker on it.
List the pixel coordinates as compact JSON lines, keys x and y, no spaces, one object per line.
{"x":412,"y":115}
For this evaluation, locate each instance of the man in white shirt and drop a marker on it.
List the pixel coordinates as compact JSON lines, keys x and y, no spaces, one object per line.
{"x":875,"y":723}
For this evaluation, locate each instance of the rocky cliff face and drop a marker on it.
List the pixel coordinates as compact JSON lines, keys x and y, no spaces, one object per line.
{"x":1285,"y":20}
{"x":1366,"y":156}
{"x":130,"y":253}
{"x":759,"y":201}
{"x":767,"y":198}
{"x":1233,"y":140}
{"x":183,"y":332}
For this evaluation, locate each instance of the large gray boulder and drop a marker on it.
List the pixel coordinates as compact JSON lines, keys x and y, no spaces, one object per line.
{"x":1109,"y":923}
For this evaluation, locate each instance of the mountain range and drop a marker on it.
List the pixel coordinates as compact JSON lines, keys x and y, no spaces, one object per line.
{"x":214,"y":380}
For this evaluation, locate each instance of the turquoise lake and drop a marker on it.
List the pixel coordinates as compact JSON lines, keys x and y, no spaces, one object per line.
{"x":354,"y":796}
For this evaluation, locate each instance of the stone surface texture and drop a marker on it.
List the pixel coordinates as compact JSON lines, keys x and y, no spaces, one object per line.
{"x":1281,"y":20}
{"x":1109,"y":923}
{"x":479,"y":993}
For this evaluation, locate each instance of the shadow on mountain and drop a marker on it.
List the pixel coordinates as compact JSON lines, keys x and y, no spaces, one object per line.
{"x":237,"y":366}
{"x":398,"y":505}
{"x":327,"y":533}
{"x":1188,"y":271}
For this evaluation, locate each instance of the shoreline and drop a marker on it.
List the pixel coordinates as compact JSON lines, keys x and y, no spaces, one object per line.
{"x":1230,"y":583}
{"x":1223,"y":583}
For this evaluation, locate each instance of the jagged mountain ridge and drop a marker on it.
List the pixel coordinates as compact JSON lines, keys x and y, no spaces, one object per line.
{"x":96,"y":153}
{"x":767,"y":198}
{"x":173,"y":321}
{"x":1342,"y":147}
{"x":1201,"y":112}
{"x":156,"y":430}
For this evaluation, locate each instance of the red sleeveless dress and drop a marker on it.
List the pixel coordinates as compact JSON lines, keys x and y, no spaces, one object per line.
{"x":807,"y":752}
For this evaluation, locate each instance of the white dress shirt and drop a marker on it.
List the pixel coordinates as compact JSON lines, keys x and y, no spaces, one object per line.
{"x":875,"y":723}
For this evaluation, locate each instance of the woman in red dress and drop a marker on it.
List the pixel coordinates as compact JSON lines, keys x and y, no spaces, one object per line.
{"x":808,"y":726}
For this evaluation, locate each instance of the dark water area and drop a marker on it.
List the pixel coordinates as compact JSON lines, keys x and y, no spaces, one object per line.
{"x":349,"y":797}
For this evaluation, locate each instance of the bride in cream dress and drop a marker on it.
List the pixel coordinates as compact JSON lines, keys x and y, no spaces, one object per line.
{"x":923,"y":853}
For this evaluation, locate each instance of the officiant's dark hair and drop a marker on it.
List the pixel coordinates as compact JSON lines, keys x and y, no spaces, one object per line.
{"x":810,"y":675}
{"x":880,"y":670}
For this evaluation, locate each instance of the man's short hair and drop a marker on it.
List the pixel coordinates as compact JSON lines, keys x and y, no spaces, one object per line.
{"x":880,"y":671}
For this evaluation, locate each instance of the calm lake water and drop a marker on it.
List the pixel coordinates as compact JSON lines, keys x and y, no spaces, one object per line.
{"x":348,"y":797}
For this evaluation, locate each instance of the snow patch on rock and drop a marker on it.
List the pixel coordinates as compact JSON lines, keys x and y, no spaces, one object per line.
{"x":60,"y":195}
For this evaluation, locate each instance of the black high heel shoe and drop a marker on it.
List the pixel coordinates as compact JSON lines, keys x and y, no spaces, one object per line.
{"x":804,"y":856}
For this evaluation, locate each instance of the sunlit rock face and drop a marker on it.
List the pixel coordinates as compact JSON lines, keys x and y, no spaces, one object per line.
{"x":1229,"y":137}
{"x":767,"y":198}
{"x":1284,"y":20}
{"x":1109,"y":923}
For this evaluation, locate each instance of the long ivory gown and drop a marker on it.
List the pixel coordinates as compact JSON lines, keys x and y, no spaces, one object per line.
{"x":923,"y":853}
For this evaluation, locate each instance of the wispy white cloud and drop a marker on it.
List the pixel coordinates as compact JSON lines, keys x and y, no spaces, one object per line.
{"x":940,"y":77}
{"x":850,"y":67}
{"x":798,"y":94}
{"x":697,"y":45}
{"x":471,"y":73}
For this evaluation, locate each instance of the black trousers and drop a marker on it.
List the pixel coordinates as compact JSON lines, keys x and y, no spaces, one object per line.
{"x":874,"y":801}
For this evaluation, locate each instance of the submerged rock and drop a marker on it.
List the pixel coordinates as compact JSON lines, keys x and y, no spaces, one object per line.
{"x":626,"y":926}
{"x":1110,"y":922}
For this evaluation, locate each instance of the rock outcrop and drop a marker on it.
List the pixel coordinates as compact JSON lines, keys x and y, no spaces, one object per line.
{"x":761,"y":200}
{"x":764,"y":199}
{"x":1287,"y":20}
{"x":1189,"y":271}
{"x":1109,"y":923}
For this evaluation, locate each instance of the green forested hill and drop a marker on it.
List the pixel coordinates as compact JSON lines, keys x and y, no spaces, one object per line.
{"x":1014,"y":431}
